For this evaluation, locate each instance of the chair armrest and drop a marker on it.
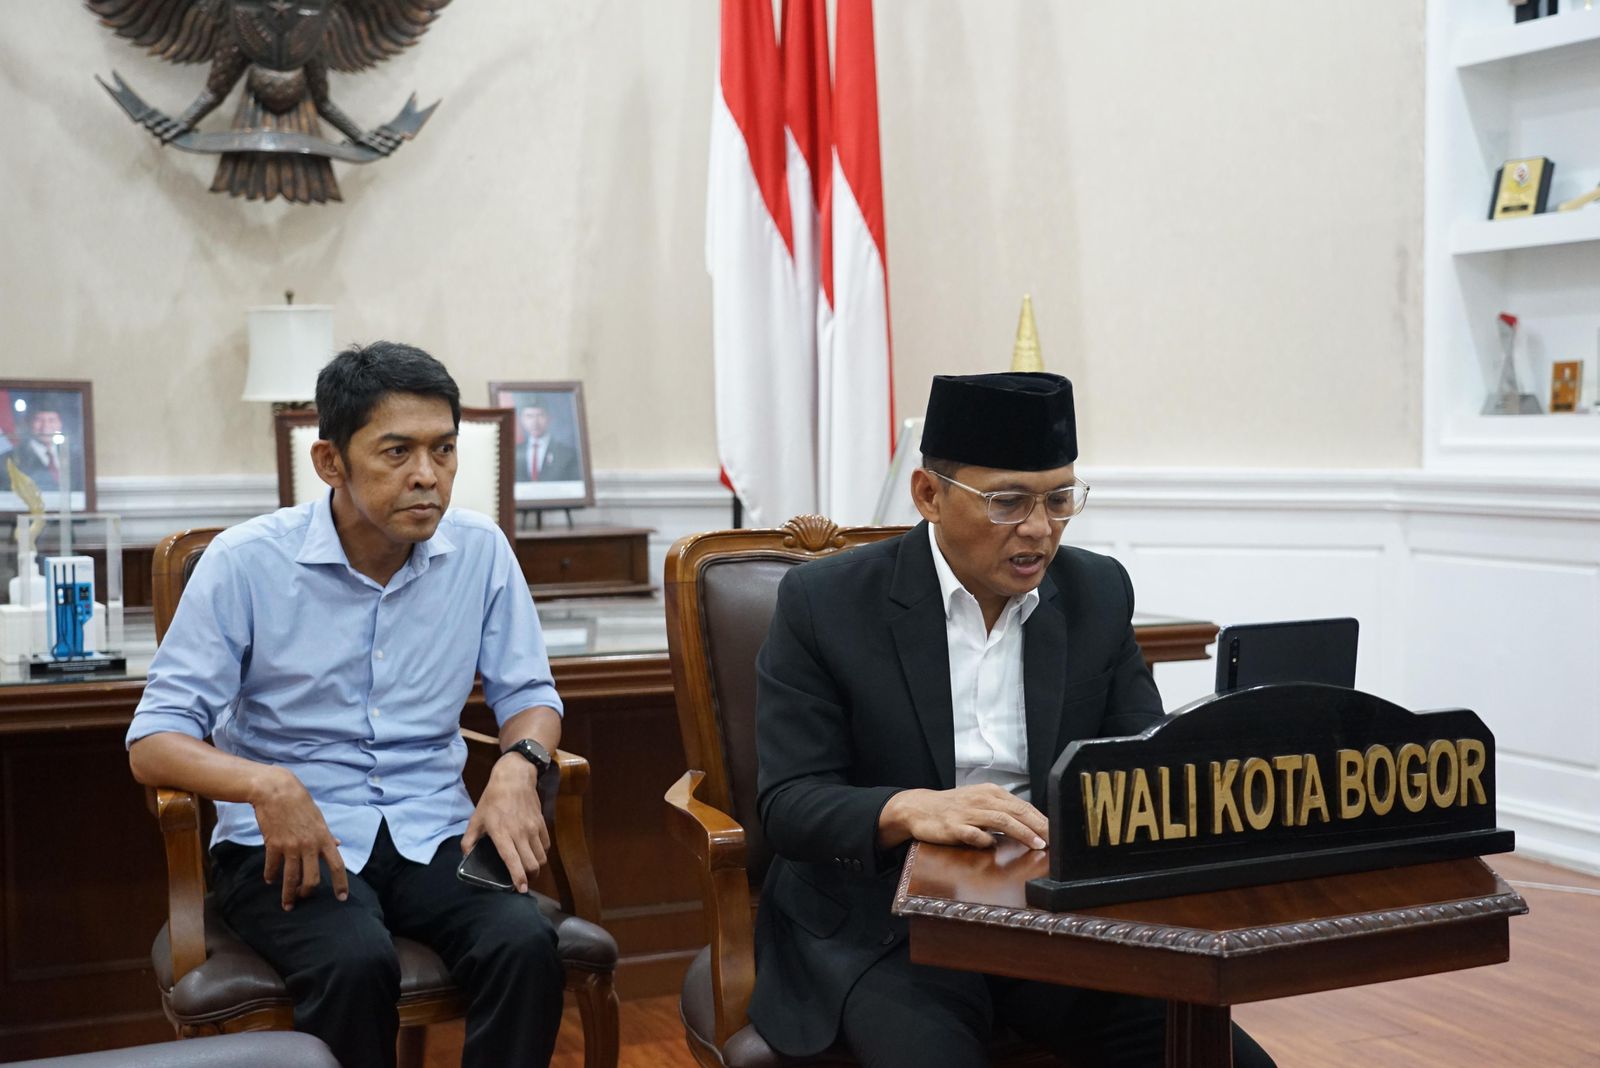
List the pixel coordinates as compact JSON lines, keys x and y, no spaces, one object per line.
{"x":178,"y":814}
{"x":571,"y":865}
{"x":717,"y":842}
{"x":571,"y":870}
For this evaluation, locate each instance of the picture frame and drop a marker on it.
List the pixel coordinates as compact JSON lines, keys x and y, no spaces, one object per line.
{"x":32,"y":410}
{"x":558,"y":473}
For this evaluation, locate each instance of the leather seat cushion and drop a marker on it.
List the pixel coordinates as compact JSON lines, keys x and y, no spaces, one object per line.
{"x":253,"y":1049}
{"x":234,"y":975}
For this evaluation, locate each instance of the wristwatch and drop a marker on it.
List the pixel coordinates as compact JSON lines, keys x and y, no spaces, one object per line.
{"x":536,"y":754}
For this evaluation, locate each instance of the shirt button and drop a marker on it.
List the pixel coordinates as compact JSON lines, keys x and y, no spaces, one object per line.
{"x":376,"y":712}
{"x":378,"y":653}
{"x":376,"y":780}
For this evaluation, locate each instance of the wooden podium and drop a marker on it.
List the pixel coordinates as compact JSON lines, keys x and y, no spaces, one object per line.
{"x":1206,"y":952}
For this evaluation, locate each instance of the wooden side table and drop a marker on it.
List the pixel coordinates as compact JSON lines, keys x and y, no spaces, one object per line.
{"x":585,"y":561}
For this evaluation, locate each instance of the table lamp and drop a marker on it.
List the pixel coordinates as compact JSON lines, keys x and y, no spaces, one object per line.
{"x":289,"y":344}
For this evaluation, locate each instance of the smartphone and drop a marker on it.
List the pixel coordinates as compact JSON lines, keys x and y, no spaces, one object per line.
{"x":483,"y":867}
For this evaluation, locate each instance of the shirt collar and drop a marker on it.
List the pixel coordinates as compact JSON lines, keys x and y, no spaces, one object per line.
{"x":951,"y":590}
{"x":322,"y":544}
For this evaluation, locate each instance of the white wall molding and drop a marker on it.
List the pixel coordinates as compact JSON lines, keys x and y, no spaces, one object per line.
{"x":153,"y":507}
{"x":212,"y":498}
{"x":1404,"y":491}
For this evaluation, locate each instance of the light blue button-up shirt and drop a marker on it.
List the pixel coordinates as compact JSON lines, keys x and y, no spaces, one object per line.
{"x":284,"y":654}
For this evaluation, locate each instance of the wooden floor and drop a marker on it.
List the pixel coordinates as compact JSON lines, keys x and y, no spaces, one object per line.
{"x":1542,"y":1008}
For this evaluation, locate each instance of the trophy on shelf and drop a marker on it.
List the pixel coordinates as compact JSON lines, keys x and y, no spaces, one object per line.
{"x":1508,"y":398}
{"x":51,"y":622}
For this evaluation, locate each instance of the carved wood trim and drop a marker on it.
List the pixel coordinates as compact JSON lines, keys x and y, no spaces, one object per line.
{"x":1226,"y":944}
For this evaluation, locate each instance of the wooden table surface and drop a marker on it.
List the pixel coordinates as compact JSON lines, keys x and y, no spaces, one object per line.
{"x":1204,"y":952}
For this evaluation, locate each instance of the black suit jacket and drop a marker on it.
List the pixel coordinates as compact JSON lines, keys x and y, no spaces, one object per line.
{"x":36,"y":467}
{"x":560,"y":462}
{"x":853,"y":704}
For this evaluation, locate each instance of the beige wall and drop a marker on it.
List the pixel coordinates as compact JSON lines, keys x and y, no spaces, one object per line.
{"x":1216,"y":206}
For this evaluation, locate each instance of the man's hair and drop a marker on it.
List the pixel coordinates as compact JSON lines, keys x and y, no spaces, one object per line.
{"x":947,"y":468}
{"x":356,"y":381}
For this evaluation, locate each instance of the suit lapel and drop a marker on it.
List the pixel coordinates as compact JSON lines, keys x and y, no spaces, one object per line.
{"x":1044,"y":678}
{"x":920,"y":640}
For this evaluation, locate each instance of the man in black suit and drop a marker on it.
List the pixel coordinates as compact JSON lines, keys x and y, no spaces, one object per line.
{"x":37,"y":455}
{"x":540,"y":457}
{"x":920,"y":688}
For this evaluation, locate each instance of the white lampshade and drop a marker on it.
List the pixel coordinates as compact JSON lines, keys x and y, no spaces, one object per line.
{"x":289,"y":344}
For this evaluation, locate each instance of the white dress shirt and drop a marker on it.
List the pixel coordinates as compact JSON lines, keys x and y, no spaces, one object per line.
{"x":991,"y":723}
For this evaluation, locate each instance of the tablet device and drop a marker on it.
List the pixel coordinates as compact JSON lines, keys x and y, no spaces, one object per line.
{"x":1299,"y":650}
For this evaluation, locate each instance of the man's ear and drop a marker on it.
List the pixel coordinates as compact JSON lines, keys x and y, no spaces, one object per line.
{"x":327,"y":462}
{"x":925,"y":494}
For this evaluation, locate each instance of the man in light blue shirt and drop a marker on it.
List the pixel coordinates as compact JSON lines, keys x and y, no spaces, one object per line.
{"x":328,"y":650}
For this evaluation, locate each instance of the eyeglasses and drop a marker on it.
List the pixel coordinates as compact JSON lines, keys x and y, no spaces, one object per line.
{"x":1010,"y":507}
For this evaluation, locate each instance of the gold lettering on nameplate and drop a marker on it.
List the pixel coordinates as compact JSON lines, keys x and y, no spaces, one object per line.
{"x":1222,"y":799}
{"x":1259,"y":794}
{"x":1102,"y":804}
{"x":1122,"y":805}
{"x":1352,"y":787}
{"x":1169,"y":829}
{"x":1142,"y":809}
{"x":1287,"y":765}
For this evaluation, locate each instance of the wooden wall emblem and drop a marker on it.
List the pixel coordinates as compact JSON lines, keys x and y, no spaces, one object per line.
{"x":282,"y":50}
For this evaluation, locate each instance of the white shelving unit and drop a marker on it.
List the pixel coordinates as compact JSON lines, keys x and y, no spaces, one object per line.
{"x":1497,"y":90}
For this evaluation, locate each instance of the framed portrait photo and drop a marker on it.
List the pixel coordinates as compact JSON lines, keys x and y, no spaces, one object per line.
{"x":47,"y":430}
{"x":551,"y":467}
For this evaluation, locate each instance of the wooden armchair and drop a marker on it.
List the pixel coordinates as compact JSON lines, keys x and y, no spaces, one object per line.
{"x":212,"y":982}
{"x":721,"y":591}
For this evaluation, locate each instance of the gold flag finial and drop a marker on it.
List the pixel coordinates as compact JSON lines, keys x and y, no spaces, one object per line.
{"x":1025,"y":353}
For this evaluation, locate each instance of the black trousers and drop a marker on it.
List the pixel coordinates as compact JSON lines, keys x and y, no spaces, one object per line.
{"x":905,"y":1015}
{"x":338,"y":960}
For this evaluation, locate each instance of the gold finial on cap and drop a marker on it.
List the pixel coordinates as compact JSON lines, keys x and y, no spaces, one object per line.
{"x":1025,"y":353}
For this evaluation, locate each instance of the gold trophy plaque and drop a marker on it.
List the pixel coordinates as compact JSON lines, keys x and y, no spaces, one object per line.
{"x":1521,"y":188}
{"x":1566,"y":379}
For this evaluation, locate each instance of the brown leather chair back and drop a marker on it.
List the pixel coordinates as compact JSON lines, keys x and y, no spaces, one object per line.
{"x":721,"y":590}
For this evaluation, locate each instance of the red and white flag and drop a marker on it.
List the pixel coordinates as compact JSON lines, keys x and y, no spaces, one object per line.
{"x":795,"y":247}
{"x":855,"y":381}
{"x":761,"y":330}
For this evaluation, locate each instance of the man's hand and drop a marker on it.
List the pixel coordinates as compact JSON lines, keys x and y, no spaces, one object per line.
{"x":966,"y":815}
{"x":296,"y":838}
{"x":509,"y":813}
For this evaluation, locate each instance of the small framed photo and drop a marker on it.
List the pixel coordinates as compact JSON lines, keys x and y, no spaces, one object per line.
{"x":551,"y":468}
{"x":47,"y":429}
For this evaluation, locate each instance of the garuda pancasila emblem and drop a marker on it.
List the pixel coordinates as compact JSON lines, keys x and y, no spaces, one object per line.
{"x":284,"y":50}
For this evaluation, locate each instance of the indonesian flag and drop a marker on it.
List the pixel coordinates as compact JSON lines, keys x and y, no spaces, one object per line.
{"x":762,"y":328}
{"x":795,"y":247}
{"x":855,"y":383}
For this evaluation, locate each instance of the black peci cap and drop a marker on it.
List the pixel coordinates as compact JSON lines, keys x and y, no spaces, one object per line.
{"x":1020,"y":421}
